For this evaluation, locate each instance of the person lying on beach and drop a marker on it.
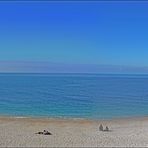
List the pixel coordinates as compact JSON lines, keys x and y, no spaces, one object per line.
{"x":44,"y":133}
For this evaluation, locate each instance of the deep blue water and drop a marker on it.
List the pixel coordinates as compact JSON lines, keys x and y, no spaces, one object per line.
{"x":73,"y":95}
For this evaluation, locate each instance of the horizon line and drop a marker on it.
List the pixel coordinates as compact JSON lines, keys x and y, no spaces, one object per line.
{"x":74,"y":73}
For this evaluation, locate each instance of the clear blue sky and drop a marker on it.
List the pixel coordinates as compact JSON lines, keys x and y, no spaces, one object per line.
{"x":102,"y":37}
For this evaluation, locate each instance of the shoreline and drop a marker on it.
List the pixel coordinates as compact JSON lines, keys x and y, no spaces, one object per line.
{"x":74,"y":119}
{"x":20,"y":132}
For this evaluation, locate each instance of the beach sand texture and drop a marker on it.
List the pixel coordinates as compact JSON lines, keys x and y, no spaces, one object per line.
{"x":20,"y":132}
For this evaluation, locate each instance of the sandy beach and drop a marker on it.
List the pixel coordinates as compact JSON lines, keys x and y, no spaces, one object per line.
{"x":20,"y":132}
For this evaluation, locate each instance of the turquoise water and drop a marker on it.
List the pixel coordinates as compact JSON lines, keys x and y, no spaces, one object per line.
{"x":91,"y":96}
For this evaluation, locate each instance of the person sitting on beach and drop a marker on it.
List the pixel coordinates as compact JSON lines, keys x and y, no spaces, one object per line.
{"x":101,"y":127}
{"x":106,"y":129}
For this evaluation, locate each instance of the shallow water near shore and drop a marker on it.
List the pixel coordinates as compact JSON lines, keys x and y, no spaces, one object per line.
{"x":91,"y":96}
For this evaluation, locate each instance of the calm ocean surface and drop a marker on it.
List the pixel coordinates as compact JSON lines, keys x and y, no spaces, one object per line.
{"x":91,"y":96}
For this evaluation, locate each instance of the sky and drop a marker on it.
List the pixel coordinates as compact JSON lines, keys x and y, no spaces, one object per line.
{"x":77,"y":37}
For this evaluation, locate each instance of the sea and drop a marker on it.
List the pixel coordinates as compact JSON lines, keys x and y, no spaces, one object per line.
{"x":89,"y":96}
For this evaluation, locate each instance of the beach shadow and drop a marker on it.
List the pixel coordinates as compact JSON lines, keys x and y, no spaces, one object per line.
{"x":107,"y":130}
